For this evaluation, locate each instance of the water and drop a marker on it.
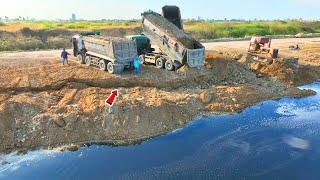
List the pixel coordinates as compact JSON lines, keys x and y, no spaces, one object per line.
{"x":272,"y":140}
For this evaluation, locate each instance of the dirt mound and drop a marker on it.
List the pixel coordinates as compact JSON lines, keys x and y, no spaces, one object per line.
{"x":286,"y":70}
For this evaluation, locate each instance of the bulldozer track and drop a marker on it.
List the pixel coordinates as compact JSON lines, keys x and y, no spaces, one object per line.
{"x":127,"y":83}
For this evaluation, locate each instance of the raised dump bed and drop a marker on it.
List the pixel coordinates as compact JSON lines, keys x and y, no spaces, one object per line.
{"x":178,"y":47}
{"x":108,"y":53}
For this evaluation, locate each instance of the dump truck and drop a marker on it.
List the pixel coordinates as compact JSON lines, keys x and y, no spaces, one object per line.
{"x":175,"y":47}
{"x":108,"y":53}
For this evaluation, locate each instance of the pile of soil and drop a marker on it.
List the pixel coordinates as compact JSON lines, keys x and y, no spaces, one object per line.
{"x":287,"y":70}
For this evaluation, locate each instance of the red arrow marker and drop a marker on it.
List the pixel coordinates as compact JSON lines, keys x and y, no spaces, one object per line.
{"x":111,"y":99}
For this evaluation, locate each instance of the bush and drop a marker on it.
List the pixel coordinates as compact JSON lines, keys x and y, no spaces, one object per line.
{"x":75,"y":26}
{"x":58,"y":42}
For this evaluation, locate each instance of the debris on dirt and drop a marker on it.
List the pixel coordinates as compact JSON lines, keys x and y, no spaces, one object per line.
{"x":59,"y":121}
{"x":71,"y":148}
{"x":299,"y":35}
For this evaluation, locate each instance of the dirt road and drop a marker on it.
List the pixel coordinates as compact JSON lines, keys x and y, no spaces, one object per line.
{"x":45,"y":104}
{"x":310,"y":48}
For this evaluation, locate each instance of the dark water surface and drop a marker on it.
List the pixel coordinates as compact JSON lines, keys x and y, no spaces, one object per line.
{"x":272,"y":140}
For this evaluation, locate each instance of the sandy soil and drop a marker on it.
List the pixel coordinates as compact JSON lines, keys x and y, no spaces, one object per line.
{"x":44,"y":104}
{"x":309,"y":53}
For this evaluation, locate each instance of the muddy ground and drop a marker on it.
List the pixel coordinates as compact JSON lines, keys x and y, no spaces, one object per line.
{"x":45,"y":105}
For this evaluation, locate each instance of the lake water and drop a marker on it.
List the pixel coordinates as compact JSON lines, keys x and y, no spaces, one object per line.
{"x":271,"y":140}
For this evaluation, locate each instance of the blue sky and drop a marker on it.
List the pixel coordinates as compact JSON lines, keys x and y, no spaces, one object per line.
{"x":129,"y":9}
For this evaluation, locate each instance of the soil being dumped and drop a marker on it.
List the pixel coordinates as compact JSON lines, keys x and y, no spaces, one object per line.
{"x":45,"y":105}
{"x":172,"y":30}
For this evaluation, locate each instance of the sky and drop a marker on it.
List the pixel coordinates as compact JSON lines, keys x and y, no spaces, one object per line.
{"x":131,"y":9}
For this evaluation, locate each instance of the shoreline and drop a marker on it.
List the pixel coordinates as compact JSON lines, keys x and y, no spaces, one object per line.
{"x":132,"y":142}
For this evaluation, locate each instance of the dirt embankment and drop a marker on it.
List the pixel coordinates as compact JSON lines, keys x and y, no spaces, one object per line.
{"x":28,"y":39}
{"x":45,"y":104}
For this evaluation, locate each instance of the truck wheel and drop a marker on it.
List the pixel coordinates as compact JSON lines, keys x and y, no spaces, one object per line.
{"x":103,"y":65}
{"x":169,"y":65}
{"x":81,"y":59}
{"x":110,"y":68}
{"x":88,"y":60}
{"x":160,"y":63}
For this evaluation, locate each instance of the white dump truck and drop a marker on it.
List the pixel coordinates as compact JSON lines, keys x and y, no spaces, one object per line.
{"x":176,"y":47}
{"x":108,"y":53}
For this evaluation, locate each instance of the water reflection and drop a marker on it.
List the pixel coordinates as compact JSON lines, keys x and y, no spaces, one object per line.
{"x":275,"y":139}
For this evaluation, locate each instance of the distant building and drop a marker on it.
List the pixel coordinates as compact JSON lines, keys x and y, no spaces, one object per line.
{"x":73,"y":17}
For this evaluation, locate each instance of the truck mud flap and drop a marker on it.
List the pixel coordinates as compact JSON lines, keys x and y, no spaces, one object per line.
{"x":177,"y":65}
{"x":118,"y":68}
{"x":195,"y":57}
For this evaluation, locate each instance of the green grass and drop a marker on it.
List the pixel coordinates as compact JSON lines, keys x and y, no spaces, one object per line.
{"x":199,"y":29}
{"x":213,"y":30}
{"x":14,"y":26}
{"x":30,"y":35}
{"x":81,"y":25}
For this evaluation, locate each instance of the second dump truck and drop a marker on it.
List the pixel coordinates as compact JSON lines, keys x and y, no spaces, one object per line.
{"x":108,"y":53}
{"x":176,"y":47}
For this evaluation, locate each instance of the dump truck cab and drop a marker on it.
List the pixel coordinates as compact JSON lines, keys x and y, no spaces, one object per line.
{"x":142,"y":42}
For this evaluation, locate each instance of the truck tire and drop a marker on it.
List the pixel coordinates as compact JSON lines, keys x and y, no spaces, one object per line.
{"x":81,"y":59}
{"x":88,"y":60}
{"x":103,"y":65}
{"x":110,"y":67}
{"x":169,"y":65}
{"x":160,"y":63}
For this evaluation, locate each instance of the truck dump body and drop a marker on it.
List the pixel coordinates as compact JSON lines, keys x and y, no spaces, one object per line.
{"x":174,"y":42}
{"x":172,"y":13}
{"x":117,"y":50}
{"x":108,"y":53}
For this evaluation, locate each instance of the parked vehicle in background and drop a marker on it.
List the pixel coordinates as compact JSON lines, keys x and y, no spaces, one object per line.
{"x":108,"y":53}
{"x":262,"y":45}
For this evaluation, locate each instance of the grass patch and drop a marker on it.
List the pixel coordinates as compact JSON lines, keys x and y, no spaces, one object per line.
{"x":200,"y":29}
{"x":31,"y":35}
{"x":67,"y":25}
{"x":213,"y":30}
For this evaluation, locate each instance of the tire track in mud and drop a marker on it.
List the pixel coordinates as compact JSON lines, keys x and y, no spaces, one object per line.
{"x":112,"y":83}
